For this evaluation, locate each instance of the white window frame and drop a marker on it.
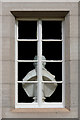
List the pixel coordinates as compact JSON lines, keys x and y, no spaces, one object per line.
{"x":39,"y":40}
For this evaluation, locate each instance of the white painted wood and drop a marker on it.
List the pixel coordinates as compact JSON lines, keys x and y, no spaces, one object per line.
{"x":52,"y":60}
{"x":52,"y":81}
{"x":25,"y":40}
{"x":27,"y":105}
{"x":39,"y":81}
{"x":44,"y":105}
{"x":49,"y":40}
{"x":63,"y":63}
{"x":27,"y":60}
{"x":39,"y":67}
{"x":16,"y":64}
{"x":37,"y":60}
{"x":27,"y":81}
{"x":52,"y":105}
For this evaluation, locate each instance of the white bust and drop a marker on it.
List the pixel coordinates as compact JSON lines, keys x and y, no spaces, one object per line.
{"x":31,"y":88}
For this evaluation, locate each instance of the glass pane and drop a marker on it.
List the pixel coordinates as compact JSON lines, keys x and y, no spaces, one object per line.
{"x":52,"y":50}
{"x":27,"y":29}
{"x":51,"y":30}
{"x":27,"y":71}
{"x":51,"y":94}
{"x":27,"y":93}
{"x":53,"y":71}
{"x":27,"y":50}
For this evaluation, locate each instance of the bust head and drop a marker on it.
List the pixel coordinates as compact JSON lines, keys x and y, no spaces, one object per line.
{"x":43,"y":63}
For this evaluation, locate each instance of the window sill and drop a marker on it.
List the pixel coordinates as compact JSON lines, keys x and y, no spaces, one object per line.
{"x":40,"y":110}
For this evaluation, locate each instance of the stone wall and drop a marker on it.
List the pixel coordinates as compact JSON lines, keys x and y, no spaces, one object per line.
{"x":71,"y":56}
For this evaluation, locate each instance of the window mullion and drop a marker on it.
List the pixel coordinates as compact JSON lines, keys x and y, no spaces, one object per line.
{"x":39,"y":67}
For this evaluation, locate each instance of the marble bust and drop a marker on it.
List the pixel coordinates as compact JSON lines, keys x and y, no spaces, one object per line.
{"x":47,"y":88}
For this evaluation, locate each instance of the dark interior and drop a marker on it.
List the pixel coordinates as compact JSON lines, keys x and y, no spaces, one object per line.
{"x":27,"y":50}
{"x":24,"y":98}
{"x":27,"y":29}
{"x":23,"y":69}
{"x":52,"y":50}
{"x":51,"y":30}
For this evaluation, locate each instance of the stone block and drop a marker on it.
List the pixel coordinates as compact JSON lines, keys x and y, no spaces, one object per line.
{"x":79,"y":72}
{"x":67,"y":96}
{"x":71,"y":83}
{"x":79,"y":99}
{"x":0,"y":95}
{"x":79,"y":25}
{"x":67,"y":48}
{"x":0,"y":37}
{"x":6,"y":26}
{"x":74,"y":48}
{"x":12,"y":96}
{"x":67,"y":72}
{"x":0,"y":8}
{"x":12,"y":26}
{"x":0,"y":72}
{"x":79,"y":48}
{"x":6,"y":72}
{"x":8,"y":22}
{"x":6,"y":95}
{"x":0,"y":48}
{"x":74,"y":72}
{"x":73,"y":26}
{"x":67,"y":26}
{"x":12,"y":72}
{"x":79,"y":7}
{"x":0,"y":26}
{"x":6,"y":48}
{"x":12,"y":49}
{"x":7,"y":113}
{"x":37,"y":6}
{"x":73,"y":95}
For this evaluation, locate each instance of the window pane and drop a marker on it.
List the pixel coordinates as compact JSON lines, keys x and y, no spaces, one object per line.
{"x":52,"y":50}
{"x":51,"y":30}
{"x":27,"y":29}
{"x":27,"y":71}
{"x":55,"y":69}
{"x":27,"y":50}
{"x":56,"y":96}
{"x":26,"y":93}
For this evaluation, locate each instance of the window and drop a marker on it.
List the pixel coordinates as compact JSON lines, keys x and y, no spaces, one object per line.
{"x":39,"y":61}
